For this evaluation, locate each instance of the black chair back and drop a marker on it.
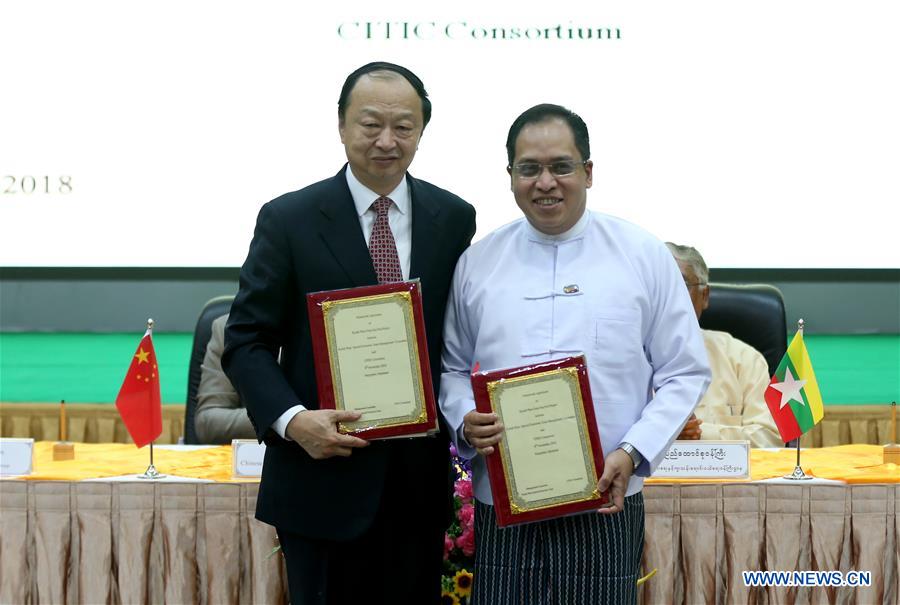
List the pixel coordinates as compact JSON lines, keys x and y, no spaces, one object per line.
{"x":213,"y":308}
{"x":753,"y":313}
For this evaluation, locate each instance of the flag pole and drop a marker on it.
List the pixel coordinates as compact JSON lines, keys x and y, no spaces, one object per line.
{"x":151,"y":472}
{"x":798,"y":474}
{"x":63,"y":449}
{"x":892,"y":450}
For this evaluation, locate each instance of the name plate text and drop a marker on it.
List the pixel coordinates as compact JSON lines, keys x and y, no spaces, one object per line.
{"x":247,"y":457}
{"x":16,"y":456}
{"x":706,"y":460}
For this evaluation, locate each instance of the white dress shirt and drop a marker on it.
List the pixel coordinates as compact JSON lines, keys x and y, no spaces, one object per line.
{"x":606,"y":289}
{"x":400,"y":221}
{"x":399,"y":216}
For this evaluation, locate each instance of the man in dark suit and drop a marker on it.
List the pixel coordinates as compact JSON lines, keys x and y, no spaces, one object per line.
{"x":358,"y":521}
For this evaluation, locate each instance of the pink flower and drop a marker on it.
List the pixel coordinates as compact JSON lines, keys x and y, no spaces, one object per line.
{"x":466,"y":542}
{"x":448,"y":546}
{"x":463,"y":490}
{"x":466,"y":516}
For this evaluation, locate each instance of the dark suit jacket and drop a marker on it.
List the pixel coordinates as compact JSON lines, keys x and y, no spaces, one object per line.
{"x":307,"y":241}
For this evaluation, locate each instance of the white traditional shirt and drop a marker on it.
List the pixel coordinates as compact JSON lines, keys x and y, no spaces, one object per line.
{"x":606,"y":289}
{"x":734,"y":406}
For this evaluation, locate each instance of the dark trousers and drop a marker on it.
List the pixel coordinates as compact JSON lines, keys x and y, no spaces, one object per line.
{"x":398,"y":560}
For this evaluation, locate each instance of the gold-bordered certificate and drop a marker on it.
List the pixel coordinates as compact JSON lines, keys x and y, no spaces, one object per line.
{"x":549,"y":460}
{"x":371,"y":356}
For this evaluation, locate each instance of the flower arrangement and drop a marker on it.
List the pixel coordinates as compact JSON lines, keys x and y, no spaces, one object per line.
{"x":459,"y":540}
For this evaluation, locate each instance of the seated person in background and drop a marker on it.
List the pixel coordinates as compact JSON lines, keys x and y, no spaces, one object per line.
{"x":734,"y":406}
{"x":220,"y":415}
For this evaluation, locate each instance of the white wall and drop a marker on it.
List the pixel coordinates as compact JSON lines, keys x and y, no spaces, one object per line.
{"x":763,"y":132}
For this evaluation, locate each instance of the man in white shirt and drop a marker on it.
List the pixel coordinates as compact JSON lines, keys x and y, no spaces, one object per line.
{"x":734,"y":406}
{"x":562,"y":281}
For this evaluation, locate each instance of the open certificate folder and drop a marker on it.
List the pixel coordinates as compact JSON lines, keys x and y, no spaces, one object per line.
{"x":549,"y":458}
{"x":371,"y":356}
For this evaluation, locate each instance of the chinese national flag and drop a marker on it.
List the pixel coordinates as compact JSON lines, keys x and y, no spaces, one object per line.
{"x":138,"y":401}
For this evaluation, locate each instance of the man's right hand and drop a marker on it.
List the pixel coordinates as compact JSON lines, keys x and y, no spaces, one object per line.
{"x":691,"y":429}
{"x":482,"y":431}
{"x":317,"y":432}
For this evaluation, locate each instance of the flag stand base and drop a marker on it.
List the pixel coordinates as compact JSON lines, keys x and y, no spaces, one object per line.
{"x":63,"y":450}
{"x":891,"y":453}
{"x":798,"y":475}
{"x":151,"y":473}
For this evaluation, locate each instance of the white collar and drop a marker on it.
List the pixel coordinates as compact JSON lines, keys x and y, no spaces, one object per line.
{"x":363,"y":196}
{"x":575,"y":232}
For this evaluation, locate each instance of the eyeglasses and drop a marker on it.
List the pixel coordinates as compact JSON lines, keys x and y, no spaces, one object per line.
{"x":691,"y":284}
{"x":532,"y":170}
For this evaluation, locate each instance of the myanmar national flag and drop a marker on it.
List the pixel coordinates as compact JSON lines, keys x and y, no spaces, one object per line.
{"x":793,"y":394}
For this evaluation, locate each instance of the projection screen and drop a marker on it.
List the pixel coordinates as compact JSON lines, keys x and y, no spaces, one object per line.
{"x":148,"y":134}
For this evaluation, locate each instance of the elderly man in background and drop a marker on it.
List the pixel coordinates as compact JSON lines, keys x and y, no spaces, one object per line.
{"x":734,"y":406}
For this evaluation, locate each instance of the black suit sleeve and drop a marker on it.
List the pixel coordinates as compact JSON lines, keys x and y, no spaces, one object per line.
{"x":254,"y":333}
{"x":468,"y":231}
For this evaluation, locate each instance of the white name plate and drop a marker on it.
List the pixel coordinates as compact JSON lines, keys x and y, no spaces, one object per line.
{"x":16,"y":456}
{"x":706,"y":460}
{"x":247,"y":457}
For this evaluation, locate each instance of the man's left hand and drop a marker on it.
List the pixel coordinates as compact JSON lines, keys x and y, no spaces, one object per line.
{"x":691,"y":429}
{"x":617,"y":470}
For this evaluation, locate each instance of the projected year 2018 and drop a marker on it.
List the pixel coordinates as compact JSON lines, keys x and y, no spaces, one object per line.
{"x":28,"y":185}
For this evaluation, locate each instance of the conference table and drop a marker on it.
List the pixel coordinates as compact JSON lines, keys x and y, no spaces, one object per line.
{"x":101,"y":423}
{"x":88,"y":531}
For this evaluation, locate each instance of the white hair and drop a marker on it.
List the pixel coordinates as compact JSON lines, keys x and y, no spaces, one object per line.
{"x":692,"y":258}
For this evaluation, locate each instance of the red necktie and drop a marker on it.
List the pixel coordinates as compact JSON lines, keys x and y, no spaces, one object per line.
{"x":382,"y":246}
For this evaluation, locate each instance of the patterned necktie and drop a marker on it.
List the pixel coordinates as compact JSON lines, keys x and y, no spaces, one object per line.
{"x":382,"y":246}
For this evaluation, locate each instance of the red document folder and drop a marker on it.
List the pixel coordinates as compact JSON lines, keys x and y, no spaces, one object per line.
{"x":340,"y":377}
{"x":510,"y":505}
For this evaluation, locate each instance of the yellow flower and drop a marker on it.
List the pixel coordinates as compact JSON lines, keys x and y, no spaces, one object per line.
{"x":647,"y":577}
{"x":448,"y":598}
{"x":463,"y":582}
